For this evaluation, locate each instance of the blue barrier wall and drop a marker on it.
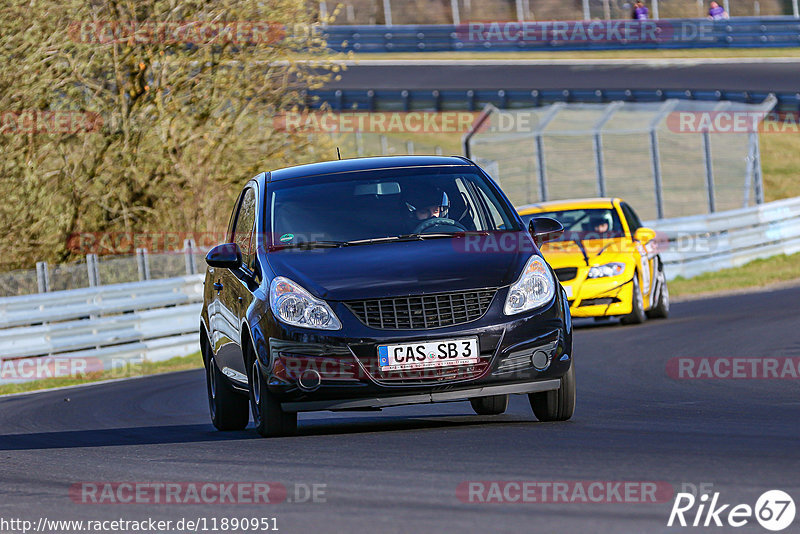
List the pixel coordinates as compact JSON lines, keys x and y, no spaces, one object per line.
{"x":741,"y":32}
{"x":475,"y":100}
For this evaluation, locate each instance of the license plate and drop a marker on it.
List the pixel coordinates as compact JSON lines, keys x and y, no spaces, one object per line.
{"x":568,"y":289}
{"x":423,"y":355}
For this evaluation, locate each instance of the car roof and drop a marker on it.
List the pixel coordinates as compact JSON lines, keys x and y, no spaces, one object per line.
{"x":365,"y":164}
{"x":573,"y":203}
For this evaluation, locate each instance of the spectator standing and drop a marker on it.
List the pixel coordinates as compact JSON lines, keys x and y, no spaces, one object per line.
{"x":640,"y":11}
{"x":717,"y":12}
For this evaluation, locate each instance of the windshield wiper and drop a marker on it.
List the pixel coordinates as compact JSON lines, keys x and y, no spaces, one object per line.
{"x":310,"y":244}
{"x":583,"y":250}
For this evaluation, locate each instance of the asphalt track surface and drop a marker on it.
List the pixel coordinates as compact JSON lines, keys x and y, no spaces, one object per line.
{"x":743,"y":74}
{"x":397,"y":471}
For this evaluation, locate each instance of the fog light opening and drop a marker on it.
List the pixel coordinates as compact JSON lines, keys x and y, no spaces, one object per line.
{"x":309,"y":380}
{"x":540,"y":360}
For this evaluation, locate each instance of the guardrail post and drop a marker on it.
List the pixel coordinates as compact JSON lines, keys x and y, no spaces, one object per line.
{"x":143,"y":264}
{"x":91,"y":268}
{"x":437,"y":150}
{"x":709,"y":171}
{"x":384,"y":145}
{"x":795,"y":9}
{"x":188,"y":250}
{"x":410,"y":148}
{"x":42,"y":277}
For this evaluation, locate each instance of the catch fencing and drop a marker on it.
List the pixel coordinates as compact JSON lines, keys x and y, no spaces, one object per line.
{"x":664,"y":158}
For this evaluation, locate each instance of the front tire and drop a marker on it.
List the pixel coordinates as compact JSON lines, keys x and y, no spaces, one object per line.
{"x":637,"y":315}
{"x":492,"y":405}
{"x":228,"y":409}
{"x":661,"y":309}
{"x":269,"y":417}
{"x":556,"y":405}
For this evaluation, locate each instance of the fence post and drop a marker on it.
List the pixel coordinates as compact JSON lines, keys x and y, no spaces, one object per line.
{"x":387,"y":12}
{"x":520,"y":11}
{"x":143,"y":264}
{"x":42,"y":277}
{"x":410,"y":148}
{"x":586,"y":12}
{"x":384,"y":145}
{"x":359,"y":144}
{"x":323,"y":13}
{"x":758,"y":177}
{"x":655,"y":9}
{"x":727,"y":5}
{"x":656,"y":162}
{"x":437,"y":150}
{"x":92,"y":269}
{"x":795,"y":9}
{"x":709,"y":171}
{"x":456,"y":15}
{"x":188,"y":250}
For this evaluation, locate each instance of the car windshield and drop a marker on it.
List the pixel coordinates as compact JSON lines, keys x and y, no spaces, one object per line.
{"x":583,"y":224}
{"x":384,"y":205}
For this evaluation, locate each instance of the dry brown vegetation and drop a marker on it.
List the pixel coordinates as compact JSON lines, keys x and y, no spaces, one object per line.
{"x":181,"y":127}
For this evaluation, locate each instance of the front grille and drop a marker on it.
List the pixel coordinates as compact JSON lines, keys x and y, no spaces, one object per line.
{"x":566,"y":273}
{"x":424,"y":311}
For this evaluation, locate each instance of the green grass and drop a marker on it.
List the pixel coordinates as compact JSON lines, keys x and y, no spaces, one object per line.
{"x":179,"y":363}
{"x":758,"y":273}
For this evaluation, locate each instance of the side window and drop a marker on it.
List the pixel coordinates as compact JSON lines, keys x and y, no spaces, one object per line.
{"x":633,"y":220}
{"x":245,"y":223}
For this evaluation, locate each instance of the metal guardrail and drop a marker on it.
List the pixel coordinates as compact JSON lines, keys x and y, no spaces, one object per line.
{"x":741,"y":32}
{"x":706,"y":243}
{"x":109,"y":325}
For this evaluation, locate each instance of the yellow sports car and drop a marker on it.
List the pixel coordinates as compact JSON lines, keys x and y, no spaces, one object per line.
{"x":606,"y":260}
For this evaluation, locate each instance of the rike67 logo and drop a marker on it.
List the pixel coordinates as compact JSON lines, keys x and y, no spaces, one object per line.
{"x":774,"y":510}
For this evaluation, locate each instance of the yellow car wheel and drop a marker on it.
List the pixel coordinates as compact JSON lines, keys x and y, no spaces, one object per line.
{"x":637,"y":315}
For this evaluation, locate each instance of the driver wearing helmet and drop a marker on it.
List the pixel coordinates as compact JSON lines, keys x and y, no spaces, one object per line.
{"x":600,"y":225}
{"x":428,"y":204}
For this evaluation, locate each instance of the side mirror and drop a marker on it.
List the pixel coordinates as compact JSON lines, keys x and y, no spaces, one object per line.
{"x":226,"y":256}
{"x":644,"y":235}
{"x":545,"y":229}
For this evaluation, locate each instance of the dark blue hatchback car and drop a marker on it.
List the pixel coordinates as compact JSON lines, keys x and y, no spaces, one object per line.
{"x":373,"y":282}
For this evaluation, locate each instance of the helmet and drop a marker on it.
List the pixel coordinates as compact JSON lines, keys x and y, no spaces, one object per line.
{"x":428,"y":197}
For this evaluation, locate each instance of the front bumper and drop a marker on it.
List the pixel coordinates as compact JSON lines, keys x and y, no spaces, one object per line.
{"x":601,"y":297}
{"x":350,"y":379}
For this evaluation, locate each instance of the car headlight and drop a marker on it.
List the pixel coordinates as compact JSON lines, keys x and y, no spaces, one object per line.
{"x":535,"y":287}
{"x":297,"y":307}
{"x":609,"y":269}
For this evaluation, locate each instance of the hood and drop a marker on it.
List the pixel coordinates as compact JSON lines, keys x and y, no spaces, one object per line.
{"x":396,"y":269}
{"x":568,"y":253}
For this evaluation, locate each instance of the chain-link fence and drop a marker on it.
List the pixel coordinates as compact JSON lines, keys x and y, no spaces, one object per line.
{"x":669,"y":159}
{"x":394,"y":12}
